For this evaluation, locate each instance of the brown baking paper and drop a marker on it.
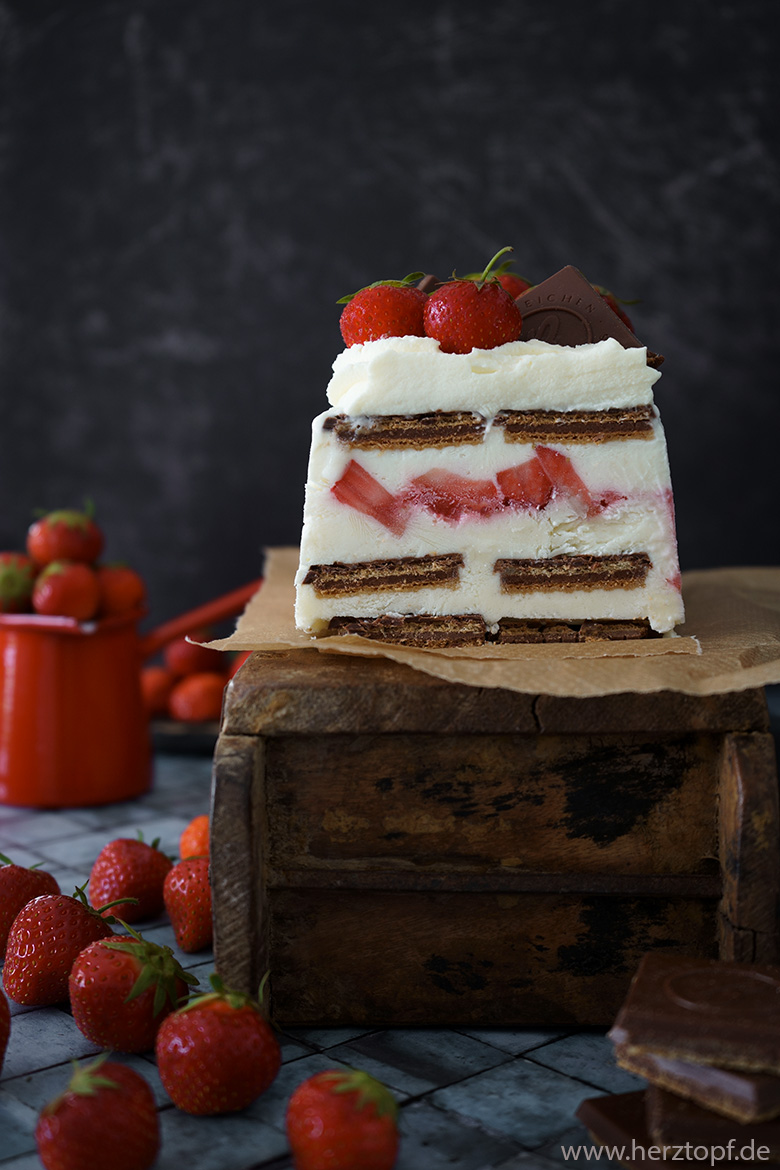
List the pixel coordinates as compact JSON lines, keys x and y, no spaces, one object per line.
{"x":730,"y":642}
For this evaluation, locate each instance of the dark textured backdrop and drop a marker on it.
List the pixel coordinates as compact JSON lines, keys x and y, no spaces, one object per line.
{"x":189,"y":186}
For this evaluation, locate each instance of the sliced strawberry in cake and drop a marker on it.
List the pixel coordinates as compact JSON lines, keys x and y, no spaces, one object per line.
{"x":526,"y":485}
{"x":358,"y":489}
{"x":452,"y":496}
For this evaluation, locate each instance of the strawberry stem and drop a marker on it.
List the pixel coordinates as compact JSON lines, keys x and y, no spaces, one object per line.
{"x":497,"y":256}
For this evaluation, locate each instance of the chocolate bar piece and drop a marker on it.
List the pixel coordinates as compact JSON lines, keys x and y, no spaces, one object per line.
{"x":576,"y":426}
{"x":620,"y":1123}
{"x":531,"y":630}
{"x":672,"y":1119}
{"x":707,"y":1011}
{"x":565,"y":309}
{"x":441,"y":570}
{"x":426,"y":631}
{"x":567,"y":572}
{"x":744,"y":1096}
{"x":394,"y":432}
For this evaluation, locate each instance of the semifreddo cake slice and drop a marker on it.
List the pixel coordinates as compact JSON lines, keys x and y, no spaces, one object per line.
{"x":515,"y":492}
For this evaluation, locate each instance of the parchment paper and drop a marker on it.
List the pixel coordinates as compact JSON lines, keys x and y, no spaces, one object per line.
{"x":730,"y":642}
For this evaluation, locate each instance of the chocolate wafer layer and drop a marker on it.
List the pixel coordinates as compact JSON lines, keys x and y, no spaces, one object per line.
{"x":394,"y":432}
{"x":528,"y":631}
{"x":569,"y":572}
{"x":576,"y":426}
{"x":440,"y":570}
{"x":421,"y":630}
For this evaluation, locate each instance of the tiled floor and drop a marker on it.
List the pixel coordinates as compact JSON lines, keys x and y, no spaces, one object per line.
{"x":487,"y":1099}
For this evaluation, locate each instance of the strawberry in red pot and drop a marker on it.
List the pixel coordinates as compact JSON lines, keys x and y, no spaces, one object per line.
{"x":65,"y":535}
{"x":67,"y":589}
{"x":17,"y":575}
{"x":122,"y":590}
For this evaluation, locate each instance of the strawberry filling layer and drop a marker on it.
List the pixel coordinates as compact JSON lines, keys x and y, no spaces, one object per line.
{"x":529,"y":486}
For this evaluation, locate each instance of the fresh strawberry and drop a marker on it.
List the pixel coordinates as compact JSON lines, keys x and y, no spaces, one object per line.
{"x":121,"y":989}
{"x":66,"y":535}
{"x":194,"y":841}
{"x":106,"y":1116}
{"x":130,"y":868}
{"x":5,"y":1027}
{"x":513,"y":282}
{"x":526,"y":484}
{"x":183,"y":657}
{"x":616,"y":305}
{"x":565,"y":480}
{"x":187,"y":895}
{"x":43,"y":942}
{"x":122,"y":590}
{"x":218,"y":1053}
{"x":358,"y":489}
{"x":197,"y":698}
{"x":343,"y":1120}
{"x":18,"y":886}
{"x":388,"y":308}
{"x":157,"y":682}
{"x":17,"y":574}
{"x":451,"y":496}
{"x":472,"y":314}
{"x":67,"y":589}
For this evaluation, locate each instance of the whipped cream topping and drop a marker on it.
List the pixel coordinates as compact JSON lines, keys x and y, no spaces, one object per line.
{"x":410,"y":375}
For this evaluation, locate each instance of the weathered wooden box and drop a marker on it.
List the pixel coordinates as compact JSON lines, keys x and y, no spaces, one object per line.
{"x":397,"y":849}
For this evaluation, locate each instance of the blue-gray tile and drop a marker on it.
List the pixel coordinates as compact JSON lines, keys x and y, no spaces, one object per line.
{"x":35,"y":827}
{"x":562,"y":1148}
{"x":588,"y":1056}
{"x":272,"y":1106}
{"x":17,"y":1127}
{"x":163,"y":934}
{"x":521,"y":1100}
{"x":228,"y":1142}
{"x":434,"y":1139}
{"x":35,"y":1089}
{"x":80,"y":850}
{"x":413,"y":1061}
{"x":515,"y":1041}
{"x":327,"y":1037}
{"x":41,"y":1039}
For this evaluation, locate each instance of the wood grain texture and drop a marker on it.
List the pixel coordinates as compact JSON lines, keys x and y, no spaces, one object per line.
{"x":378,"y":958}
{"x":463,"y":803}
{"x":237,"y":882}
{"x":750,"y":859}
{"x":303,"y":692}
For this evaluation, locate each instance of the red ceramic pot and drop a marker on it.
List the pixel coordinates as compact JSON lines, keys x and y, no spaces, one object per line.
{"x":73,"y":730}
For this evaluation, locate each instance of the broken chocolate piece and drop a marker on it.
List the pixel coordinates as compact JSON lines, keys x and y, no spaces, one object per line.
{"x":576,"y":426}
{"x":568,"y":572}
{"x":707,"y":1011}
{"x":398,"y":431}
{"x":620,"y":1122}
{"x":672,"y":1119}
{"x":565,"y":309}
{"x":425,"y":631}
{"x":745,"y":1096}
{"x":441,"y":570}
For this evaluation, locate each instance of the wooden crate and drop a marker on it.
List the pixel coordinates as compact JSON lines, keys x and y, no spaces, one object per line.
{"x":397,"y":849}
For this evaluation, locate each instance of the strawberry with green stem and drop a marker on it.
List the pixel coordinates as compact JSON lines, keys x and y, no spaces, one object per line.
{"x":67,"y":589}
{"x":342,"y":1119}
{"x":466,"y":314}
{"x":5,"y":1027}
{"x":19,"y":884}
{"x":129,"y":867}
{"x":106,"y":1116}
{"x":218,"y":1052}
{"x":122,"y":988}
{"x":387,"y":308}
{"x":44,"y":941}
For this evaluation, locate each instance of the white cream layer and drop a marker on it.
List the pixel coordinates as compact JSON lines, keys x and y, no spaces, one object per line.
{"x":643,"y":522}
{"x":410,"y":375}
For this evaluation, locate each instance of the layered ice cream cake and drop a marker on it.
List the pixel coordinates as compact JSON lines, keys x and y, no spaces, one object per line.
{"x":514,"y":491}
